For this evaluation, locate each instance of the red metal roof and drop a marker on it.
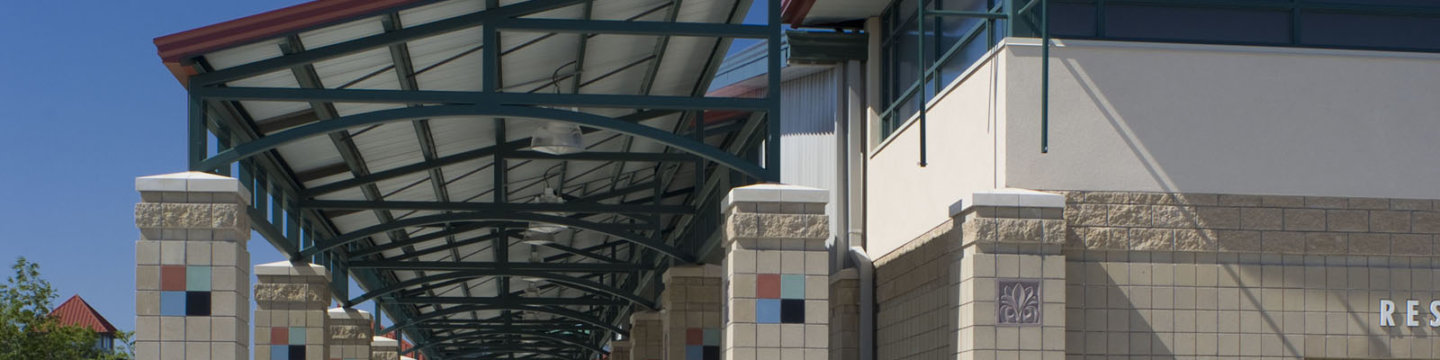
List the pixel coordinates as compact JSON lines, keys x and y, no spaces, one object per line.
{"x":79,"y":313}
{"x":175,"y":48}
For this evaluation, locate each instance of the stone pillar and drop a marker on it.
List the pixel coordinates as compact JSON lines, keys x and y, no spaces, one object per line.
{"x":1011,"y":276}
{"x":845,"y":315}
{"x":192,"y":275}
{"x":691,"y":314}
{"x":777,"y":269}
{"x":383,"y":348}
{"x":647,"y":337}
{"x":620,"y":350}
{"x":350,"y":334}
{"x":290,"y":318}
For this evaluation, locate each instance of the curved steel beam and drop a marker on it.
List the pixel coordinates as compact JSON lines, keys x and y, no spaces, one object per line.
{"x":482,"y":334}
{"x":682,"y":143}
{"x":573,"y":282}
{"x":606,"y":229}
{"x":562,"y":312}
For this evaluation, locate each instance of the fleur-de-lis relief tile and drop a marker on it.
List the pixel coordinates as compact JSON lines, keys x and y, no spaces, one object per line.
{"x":1018,"y":301}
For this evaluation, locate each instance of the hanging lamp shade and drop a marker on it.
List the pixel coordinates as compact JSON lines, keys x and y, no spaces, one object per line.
{"x":557,"y":138}
{"x":548,"y":196}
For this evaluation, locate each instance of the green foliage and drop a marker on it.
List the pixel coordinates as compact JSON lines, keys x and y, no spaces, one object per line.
{"x":28,"y":332}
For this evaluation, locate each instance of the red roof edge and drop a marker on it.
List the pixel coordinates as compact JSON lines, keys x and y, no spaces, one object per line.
{"x":176,"y":48}
{"x":793,"y":11}
{"x":76,"y":312}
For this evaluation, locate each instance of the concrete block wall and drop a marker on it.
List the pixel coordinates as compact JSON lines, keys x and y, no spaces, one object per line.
{"x":383,"y":348}
{"x":291,"y":321}
{"x":349,"y":334}
{"x":845,"y":315}
{"x":192,"y":274}
{"x":691,"y":312}
{"x":777,"y":273}
{"x":647,"y":336}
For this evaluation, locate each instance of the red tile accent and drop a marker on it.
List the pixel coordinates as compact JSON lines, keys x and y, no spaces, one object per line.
{"x":767,"y":286}
{"x":172,"y":278}
{"x":694,"y":336}
{"x":279,"y":336}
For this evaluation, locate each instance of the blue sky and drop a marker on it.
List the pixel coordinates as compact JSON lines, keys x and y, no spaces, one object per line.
{"x":85,"y":108}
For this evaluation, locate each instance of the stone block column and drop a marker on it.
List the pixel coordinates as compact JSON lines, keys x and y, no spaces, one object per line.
{"x":620,"y":350}
{"x":350,"y":334}
{"x":845,"y":315}
{"x":647,"y":336}
{"x":691,"y":314}
{"x":192,"y":275}
{"x":777,"y":269}
{"x":383,"y":348}
{"x":291,"y":318}
{"x":1011,"y":276}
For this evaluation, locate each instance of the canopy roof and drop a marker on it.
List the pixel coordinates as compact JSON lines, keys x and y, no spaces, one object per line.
{"x":387,"y":140}
{"x":77,"y":312}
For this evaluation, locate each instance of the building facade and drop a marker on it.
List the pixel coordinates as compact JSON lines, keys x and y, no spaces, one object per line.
{"x":1006,"y":179}
{"x":1185,"y":180}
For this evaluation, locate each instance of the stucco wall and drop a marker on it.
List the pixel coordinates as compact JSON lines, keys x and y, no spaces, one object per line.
{"x":1225,"y":119}
{"x":905,"y":199}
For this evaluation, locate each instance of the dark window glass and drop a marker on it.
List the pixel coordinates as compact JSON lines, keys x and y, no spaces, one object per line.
{"x":1370,"y":31}
{"x":1413,"y":3}
{"x":966,"y":56}
{"x":1197,"y":24}
{"x":1072,"y":20}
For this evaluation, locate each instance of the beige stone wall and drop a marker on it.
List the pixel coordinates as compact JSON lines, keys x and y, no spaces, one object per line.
{"x":1247,"y":223}
{"x":845,"y":315}
{"x":914,"y":289}
{"x":1247,"y":305}
{"x":1241,"y":276}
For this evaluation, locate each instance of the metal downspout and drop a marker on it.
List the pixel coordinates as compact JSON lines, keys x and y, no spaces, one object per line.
{"x":850,"y":197}
{"x":867,"y":302}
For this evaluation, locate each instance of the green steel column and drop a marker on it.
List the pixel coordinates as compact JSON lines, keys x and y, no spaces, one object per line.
{"x":1044,"y":76}
{"x":197,"y":131}
{"x":772,"y":118}
{"x":920,"y":90}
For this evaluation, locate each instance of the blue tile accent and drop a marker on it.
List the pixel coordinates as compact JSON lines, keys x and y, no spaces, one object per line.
{"x":197,"y":278}
{"x":172,"y":303}
{"x":694,"y":352}
{"x":792,"y":286}
{"x":712,"y":337}
{"x":297,"y":336}
{"x":767,"y":311}
{"x":280,"y":352}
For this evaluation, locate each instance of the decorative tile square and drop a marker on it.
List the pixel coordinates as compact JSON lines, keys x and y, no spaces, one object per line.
{"x":792,"y":311}
{"x":197,"y":303}
{"x":694,"y":336}
{"x":297,"y":336}
{"x":712,"y":337}
{"x":280,"y":352}
{"x":1017,"y":302}
{"x":172,"y":303}
{"x":297,"y":352}
{"x":279,"y":335}
{"x":197,"y":278}
{"x":172,"y":278}
{"x":767,"y":311}
{"x":767,"y":286}
{"x":792,"y":286}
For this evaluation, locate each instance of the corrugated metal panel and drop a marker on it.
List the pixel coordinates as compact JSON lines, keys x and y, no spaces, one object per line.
{"x":807,"y":144}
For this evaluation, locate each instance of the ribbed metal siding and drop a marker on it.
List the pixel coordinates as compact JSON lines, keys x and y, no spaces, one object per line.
{"x":807,"y":146}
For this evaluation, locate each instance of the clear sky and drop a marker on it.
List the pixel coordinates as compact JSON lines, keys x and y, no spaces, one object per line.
{"x":85,"y":108}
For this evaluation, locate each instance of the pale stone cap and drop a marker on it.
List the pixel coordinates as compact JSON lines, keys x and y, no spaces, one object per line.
{"x":381,"y":341}
{"x":712,"y":271}
{"x":191,"y":181}
{"x":644,"y":315}
{"x":1009,"y":197}
{"x":347,"y":314}
{"x":286,"y":268}
{"x":775,"y":193}
{"x":406,"y":358}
